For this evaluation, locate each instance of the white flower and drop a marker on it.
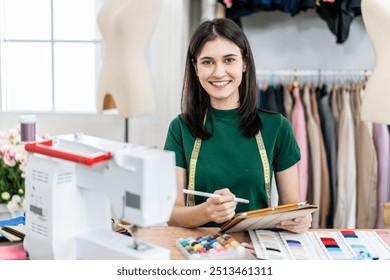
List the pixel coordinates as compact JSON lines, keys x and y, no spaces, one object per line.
{"x":16,"y":203}
{"x":12,"y":206}
{"x":16,"y":199}
{"x":20,"y":153}
{"x":5,"y":196}
{"x":13,"y":136}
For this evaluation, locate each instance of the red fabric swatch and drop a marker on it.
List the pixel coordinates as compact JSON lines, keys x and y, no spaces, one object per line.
{"x":13,"y":252}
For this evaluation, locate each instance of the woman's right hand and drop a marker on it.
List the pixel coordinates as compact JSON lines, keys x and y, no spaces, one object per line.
{"x":222,"y":208}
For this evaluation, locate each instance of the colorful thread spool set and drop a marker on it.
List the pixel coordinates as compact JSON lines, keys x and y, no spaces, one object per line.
{"x":217,"y":246}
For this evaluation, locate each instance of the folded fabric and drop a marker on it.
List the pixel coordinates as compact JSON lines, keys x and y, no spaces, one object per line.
{"x":19,"y":230}
{"x":12,"y":222}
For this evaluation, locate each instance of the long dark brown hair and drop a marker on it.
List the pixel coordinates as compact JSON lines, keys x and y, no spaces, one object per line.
{"x":195,"y":101}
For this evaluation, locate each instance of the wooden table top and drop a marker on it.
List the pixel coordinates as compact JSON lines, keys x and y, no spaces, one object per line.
{"x":166,"y":236}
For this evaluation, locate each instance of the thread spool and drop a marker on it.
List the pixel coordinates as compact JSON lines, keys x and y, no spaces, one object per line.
{"x":27,"y":128}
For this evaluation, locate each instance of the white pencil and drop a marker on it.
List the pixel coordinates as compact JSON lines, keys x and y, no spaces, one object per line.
{"x":205,"y":194}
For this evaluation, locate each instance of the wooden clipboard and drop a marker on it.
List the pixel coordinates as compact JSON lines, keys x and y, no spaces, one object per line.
{"x":267,"y":218}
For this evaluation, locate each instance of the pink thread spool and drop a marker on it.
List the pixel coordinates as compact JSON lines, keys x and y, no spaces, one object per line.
{"x":27,"y":128}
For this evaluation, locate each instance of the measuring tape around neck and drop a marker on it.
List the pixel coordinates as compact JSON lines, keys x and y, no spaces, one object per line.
{"x":194,"y":158}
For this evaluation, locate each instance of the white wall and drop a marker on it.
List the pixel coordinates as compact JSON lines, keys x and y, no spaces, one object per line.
{"x":280,"y":41}
{"x":111,"y":127}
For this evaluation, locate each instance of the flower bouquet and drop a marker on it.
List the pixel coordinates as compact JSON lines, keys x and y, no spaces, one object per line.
{"x":12,"y":170}
{"x":13,"y":164}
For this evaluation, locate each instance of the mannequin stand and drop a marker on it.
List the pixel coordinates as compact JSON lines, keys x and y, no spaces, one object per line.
{"x":126,"y":130}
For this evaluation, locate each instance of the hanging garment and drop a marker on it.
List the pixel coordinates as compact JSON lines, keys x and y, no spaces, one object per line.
{"x":269,"y":99}
{"x":366,"y":168}
{"x":299,"y":127}
{"x":279,"y":99}
{"x":339,"y":16}
{"x":381,"y":139}
{"x":241,"y":8}
{"x":336,"y":103}
{"x":345,"y":216}
{"x":325,"y":188}
{"x":287,"y":102}
{"x":314,"y":188}
{"x":329,"y":131}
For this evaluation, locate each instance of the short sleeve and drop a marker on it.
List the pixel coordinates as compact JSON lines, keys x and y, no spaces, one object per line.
{"x":287,"y":152}
{"x":174,"y":142}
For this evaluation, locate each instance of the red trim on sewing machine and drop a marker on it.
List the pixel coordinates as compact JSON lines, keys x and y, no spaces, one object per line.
{"x":46,"y":148}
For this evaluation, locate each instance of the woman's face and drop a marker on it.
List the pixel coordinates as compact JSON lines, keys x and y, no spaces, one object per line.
{"x":220,"y":67}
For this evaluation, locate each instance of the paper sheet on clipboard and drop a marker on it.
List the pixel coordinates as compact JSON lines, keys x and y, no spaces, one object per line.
{"x":267,"y":218}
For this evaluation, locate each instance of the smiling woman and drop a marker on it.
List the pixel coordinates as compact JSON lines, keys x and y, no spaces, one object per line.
{"x":223,"y":143}
{"x":219,"y":68}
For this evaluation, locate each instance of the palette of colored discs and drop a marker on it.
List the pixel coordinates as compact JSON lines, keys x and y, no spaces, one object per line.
{"x":217,"y":246}
{"x":322,"y":244}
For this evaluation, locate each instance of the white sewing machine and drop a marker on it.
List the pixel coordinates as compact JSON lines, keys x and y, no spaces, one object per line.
{"x":75,"y":184}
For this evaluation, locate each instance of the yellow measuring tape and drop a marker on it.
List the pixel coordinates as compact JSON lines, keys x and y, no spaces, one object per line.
{"x":264,"y":160}
{"x":194,"y":158}
{"x":192,"y":170}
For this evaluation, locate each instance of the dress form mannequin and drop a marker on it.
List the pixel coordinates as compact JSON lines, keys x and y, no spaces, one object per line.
{"x":376,"y":99}
{"x":127,"y":27}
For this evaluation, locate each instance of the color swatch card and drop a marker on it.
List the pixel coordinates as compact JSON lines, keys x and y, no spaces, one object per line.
{"x":332,"y":246}
{"x":299,"y":246}
{"x":321,"y":245}
{"x":283,"y":245}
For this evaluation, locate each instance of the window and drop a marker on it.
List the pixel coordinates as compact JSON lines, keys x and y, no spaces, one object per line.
{"x":50,"y":51}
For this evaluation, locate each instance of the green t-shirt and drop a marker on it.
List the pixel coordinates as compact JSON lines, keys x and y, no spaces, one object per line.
{"x":228,"y":159}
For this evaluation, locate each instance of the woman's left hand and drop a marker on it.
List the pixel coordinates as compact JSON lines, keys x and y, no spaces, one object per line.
{"x":298,"y":225}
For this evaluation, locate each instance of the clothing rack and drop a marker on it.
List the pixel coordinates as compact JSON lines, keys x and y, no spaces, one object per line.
{"x":312,"y":76}
{"x":333,"y":140}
